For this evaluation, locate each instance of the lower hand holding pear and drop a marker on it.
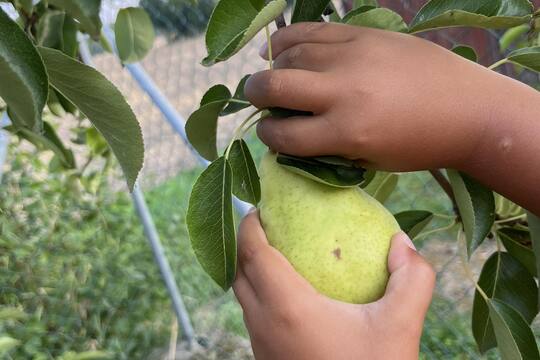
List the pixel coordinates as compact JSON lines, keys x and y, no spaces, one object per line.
{"x":287,"y":318}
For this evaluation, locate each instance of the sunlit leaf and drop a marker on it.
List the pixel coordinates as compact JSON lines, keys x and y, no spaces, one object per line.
{"x":210,"y":222}
{"x":324,"y":172}
{"x":246,"y":185}
{"x":24,"y":84}
{"x":414,"y":221}
{"x":476,"y":206}
{"x":234,"y":23}
{"x":478,"y":13}
{"x":103,"y":104}
{"x":357,"y":11}
{"x":378,"y":18}
{"x":134,"y":34}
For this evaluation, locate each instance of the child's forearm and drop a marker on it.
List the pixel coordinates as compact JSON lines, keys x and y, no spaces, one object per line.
{"x":508,"y":159}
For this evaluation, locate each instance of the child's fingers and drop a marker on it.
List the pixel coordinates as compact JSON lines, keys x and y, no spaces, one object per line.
{"x":290,"y":89}
{"x":411,"y":283}
{"x":299,"y":135}
{"x":271,"y":276}
{"x":307,"y":32}
{"x":245,"y":293}
{"x":307,"y":56}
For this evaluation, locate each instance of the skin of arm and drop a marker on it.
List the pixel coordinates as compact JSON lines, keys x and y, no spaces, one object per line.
{"x":396,"y":102}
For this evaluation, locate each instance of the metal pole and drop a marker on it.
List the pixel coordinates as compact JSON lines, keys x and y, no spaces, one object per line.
{"x":170,"y":114}
{"x":4,"y":141}
{"x":153,"y":238}
{"x":163,"y":264}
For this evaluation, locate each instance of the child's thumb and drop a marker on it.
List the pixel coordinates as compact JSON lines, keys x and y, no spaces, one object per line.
{"x":411,"y":282}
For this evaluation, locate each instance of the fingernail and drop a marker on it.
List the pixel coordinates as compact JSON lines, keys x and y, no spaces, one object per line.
{"x":263,"y":50}
{"x":252,"y":210}
{"x":407,"y":240}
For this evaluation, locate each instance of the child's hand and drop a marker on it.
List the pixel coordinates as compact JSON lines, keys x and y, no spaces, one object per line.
{"x":390,"y":100}
{"x":287,"y":319}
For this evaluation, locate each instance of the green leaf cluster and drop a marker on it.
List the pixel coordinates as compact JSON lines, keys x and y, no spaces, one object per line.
{"x":39,"y":67}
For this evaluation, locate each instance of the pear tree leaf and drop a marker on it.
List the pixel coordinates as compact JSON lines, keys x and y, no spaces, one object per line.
{"x":534,"y":226}
{"x":69,"y":31}
{"x":134,"y":34}
{"x":382,"y":185}
{"x":216,"y":93}
{"x":518,"y":244}
{"x":379,"y":18}
{"x":85,"y":11}
{"x":335,"y":175}
{"x":359,"y":3}
{"x":234,"y":107}
{"x":476,"y":206}
{"x":308,"y":10}
{"x":466,"y":51}
{"x":201,"y":126}
{"x":50,"y":30}
{"x":67,"y":105}
{"x":356,"y":11}
{"x":95,"y":142}
{"x":210,"y":222}
{"x":491,"y":14}
{"x":106,"y":108}
{"x":505,"y":208}
{"x":26,"y":5}
{"x":24,"y":86}
{"x":234,"y":23}
{"x":414,"y":221}
{"x":511,"y":35}
{"x":49,"y":140}
{"x":515,"y":338}
{"x":498,"y":281}
{"x":527,"y":57}
{"x":246,"y":185}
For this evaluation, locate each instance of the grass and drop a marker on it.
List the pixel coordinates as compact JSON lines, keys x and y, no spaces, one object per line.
{"x":80,"y":274}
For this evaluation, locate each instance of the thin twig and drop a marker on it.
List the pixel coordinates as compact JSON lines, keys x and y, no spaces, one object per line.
{"x":445,"y":185}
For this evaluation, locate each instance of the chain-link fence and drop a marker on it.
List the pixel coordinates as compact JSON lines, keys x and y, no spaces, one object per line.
{"x":174,"y":65}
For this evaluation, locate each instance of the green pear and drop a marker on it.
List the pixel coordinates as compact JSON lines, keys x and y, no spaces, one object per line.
{"x":337,"y":238}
